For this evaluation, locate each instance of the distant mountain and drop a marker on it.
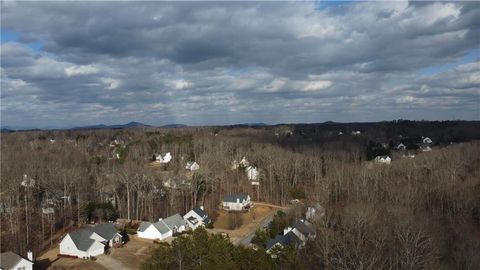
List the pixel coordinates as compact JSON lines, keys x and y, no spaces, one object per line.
{"x":6,"y":130}
{"x":174,"y":126}
{"x":101,"y":126}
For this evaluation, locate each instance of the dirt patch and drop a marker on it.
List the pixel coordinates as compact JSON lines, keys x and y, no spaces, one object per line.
{"x":134,"y":253}
{"x":257,"y":212}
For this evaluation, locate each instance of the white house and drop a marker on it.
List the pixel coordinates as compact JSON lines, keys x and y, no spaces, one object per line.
{"x":192,"y":166}
{"x":158,"y":230}
{"x":401,"y":147}
{"x":357,"y":132}
{"x":244,"y":162}
{"x":165,"y":159}
{"x":163,"y":228}
{"x":196,"y":218}
{"x":28,"y":181}
{"x":314,"y":211}
{"x":252,"y":173}
{"x":383,"y":159}
{"x":12,"y":261}
{"x":426,"y":140}
{"x":92,"y":241}
{"x":237,"y":202}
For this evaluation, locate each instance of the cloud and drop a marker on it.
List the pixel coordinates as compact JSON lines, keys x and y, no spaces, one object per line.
{"x":238,"y":62}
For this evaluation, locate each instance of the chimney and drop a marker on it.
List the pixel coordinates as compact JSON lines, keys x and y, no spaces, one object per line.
{"x":160,"y":219}
{"x":238,"y":200}
{"x":30,"y":255}
{"x":201,"y":207}
{"x":286,"y":230}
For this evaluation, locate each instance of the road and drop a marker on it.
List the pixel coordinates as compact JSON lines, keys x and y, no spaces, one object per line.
{"x":111,"y":263}
{"x":247,"y":239}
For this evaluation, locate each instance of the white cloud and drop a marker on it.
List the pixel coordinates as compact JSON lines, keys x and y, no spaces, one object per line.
{"x":316,"y":85}
{"x":111,"y":83}
{"x":80,"y":70}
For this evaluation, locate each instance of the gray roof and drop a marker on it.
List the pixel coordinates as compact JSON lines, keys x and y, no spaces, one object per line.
{"x":290,"y":239}
{"x":161,"y":227}
{"x":305,"y":227}
{"x":9,"y":259}
{"x":143,"y":226}
{"x":234,"y":197}
{"x":175,"y":220}
{"x":106,"y":230}
{"x":81,"y":239}
{"x":202,"y":214}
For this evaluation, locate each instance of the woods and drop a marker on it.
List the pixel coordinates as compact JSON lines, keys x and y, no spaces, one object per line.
{"x":413,"y":214}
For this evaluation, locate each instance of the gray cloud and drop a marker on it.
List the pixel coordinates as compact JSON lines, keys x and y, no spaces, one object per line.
{"x":221,"y":62}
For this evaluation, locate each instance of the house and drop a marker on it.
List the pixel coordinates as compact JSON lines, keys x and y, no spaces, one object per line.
{"x":165,"y":159}
{"x":12,"y":261}
{"x":176,"y":223}
{"x":295,"y":236}
{"x":383,"y":159}
{"x":192,"y":166}
{"x":163,"y":228}
{"x":314,"y":211}
{"x":244,"y":162}
{"x":282,"y":241}
{"x":340,"y":133}
{"x":401,"y":147}
{"x":158,"y":230}
{"x":91,"y":241}
{"x":357,"y":132}
{"x":252,"y":174}
{"x":426,"y":140}
{"x":408,"y":155}
{"x":27,"y":181}
{"x":196,"y":218}
{"x":236,"y":202}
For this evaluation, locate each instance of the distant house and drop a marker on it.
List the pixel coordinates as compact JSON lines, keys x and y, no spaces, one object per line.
{"x":383,"y":159}
{"x":196,"y":218}
{"x":401,"y":147}
{"x":92,"y":241}
{"x":314,"y":211}
{"x":12,"y":261}
{"x":357,"y":132}
{"x":28,"y":181}
{"x":426,"y":140}
{"x":163,"y":228}
{"x":192,"y":166}
{"x":340,"y":133}
{"x":252,"y":173}
{"x":237,"y":202}
{"x":162,"y":159}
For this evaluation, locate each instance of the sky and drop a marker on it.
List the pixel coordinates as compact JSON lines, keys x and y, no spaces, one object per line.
{"x":66,"y":64}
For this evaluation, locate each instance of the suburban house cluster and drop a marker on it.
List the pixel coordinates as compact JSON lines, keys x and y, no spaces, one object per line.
{"x":295,"y":236}
{"x":172,"y":225}
{"x":91,"y":241}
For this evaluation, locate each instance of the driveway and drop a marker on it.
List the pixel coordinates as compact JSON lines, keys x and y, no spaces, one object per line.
{"x":111,"y":263}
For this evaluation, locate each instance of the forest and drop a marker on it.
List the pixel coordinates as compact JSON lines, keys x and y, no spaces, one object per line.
{"x":416,"y":213}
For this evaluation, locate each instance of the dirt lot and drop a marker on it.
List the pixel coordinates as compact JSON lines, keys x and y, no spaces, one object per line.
{"x":258,"y":216}
{"x":130,"y":256}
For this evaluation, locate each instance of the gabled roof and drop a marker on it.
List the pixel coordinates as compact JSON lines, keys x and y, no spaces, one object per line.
{"x":304,"y":227}
{"x":81,"y":239}
{"x":234,"y":197}
{"x":174,"y":221}
{"x":143,"y":226}
{"x":106,"y":230}
{"x":289,"y":239}
{"x":9,"y":259}
{"x":202,"y":214}
{"x":161,"y":227}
